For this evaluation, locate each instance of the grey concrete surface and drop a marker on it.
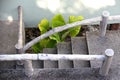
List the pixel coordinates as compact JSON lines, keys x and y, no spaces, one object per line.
{"x":60,"y":74}
{"x":97,"y":45}
{"x":79,"y":46}
{"x":64,"y":48}
{"x":37,"y":64}
{"x":50,"y":64}
{"x":8,"y":39}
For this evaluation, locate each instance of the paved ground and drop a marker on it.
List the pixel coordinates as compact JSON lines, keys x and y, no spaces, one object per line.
{"x":97,"y":45}
{"x":59,"y":74}
{"x":8,"y":39}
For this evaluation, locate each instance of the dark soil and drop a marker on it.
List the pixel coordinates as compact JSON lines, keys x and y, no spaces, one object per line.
{"x":32,"y":33}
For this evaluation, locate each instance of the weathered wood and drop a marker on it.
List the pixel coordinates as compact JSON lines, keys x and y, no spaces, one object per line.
{"x":48,"y":63}
{"x":97,"y":46}
{"x":67,"y":26}
{"x":79,"y":46}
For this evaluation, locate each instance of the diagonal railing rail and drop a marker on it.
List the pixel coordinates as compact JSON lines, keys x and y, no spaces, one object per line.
{"x":67,"y":26}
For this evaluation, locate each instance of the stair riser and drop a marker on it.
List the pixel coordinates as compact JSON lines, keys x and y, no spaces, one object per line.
{"x":50,"y":64}
{"x":64,"y":48}
{"x":79,"y":46}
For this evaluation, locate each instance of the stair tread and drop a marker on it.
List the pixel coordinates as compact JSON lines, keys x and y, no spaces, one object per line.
{"x":79,"y":46}
{"x":64,"y":48}
{"x":97,"y":45}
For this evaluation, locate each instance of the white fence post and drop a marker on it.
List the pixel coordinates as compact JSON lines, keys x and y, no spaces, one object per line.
{"x":107,"y":62}
{"x":103,"y":23}
{"x":19,"y":47}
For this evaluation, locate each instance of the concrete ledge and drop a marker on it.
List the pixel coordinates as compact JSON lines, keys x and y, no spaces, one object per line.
{"x":59,"y":74}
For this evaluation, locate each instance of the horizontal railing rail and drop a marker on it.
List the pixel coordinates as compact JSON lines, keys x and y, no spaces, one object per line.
{"x":45,"y":56}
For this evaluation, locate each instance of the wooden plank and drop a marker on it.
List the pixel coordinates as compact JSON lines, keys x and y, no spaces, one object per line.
{"x":79,"y":46}
{"x":97,"y":45}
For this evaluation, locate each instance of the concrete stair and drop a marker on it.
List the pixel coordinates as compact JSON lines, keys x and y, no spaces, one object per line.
{"x":77,"y":45}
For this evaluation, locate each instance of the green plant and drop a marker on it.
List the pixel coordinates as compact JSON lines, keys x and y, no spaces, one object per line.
{"x":52,"y":40}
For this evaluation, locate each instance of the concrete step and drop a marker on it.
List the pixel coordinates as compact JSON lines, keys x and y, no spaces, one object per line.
{"x":50,"y":64}
{"x":97,"y":45}
{"x":37,"y":64}
{"x":79,"y":46}
{"x":64,"y":48}
{"x":8,"y":39}
{"x":60,"y":74}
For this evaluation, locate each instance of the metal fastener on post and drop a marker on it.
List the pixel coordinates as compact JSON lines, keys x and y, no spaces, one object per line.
{"x":107,"y":62}
{"x":103,"y":23}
